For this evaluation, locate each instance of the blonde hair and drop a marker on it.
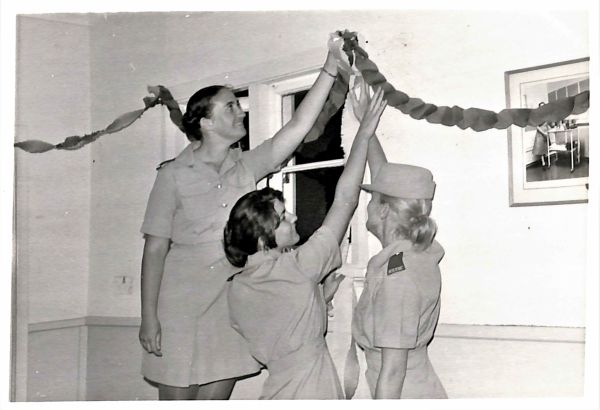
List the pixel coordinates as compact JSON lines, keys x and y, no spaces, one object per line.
{"x":412,"y":220}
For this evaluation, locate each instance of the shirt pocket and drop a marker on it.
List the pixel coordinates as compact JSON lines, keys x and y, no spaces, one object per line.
{"x":197,"y":197}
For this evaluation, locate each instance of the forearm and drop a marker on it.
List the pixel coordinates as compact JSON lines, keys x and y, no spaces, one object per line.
{"x":348,"y":186}
{"x":153,"y":262}
{"x":328,"y":292}
{"x":151,"y":280}
{"x":291,"y":135}
{"x":347,"y":190}
{"x":312,"y":104}
{"x":393,"y":372}
{"x":389,"y":385}
{"x":376,"y":156}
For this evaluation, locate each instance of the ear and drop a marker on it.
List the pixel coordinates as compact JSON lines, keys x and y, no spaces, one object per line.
{"x":261,"y":244}
{"x":206,"y":123}
{"x":384,"y":210}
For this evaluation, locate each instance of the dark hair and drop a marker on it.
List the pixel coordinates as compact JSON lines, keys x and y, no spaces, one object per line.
{"x":253,"y":217}
{"x":412,"y":220}
{"x":199,"y":106}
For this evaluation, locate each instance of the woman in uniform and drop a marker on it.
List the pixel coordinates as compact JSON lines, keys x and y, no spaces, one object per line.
{"x":192,"y":352}
{"x":396,"y":315}
{"x":275,"y":302}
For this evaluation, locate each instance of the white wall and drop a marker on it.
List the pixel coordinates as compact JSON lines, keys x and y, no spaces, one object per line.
{"x":502,"y":266}
{"x":125,"y":59}
{"x":53,"y":189}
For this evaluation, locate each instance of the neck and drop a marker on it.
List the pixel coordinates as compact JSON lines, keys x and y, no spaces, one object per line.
{"x":213,"y":150}
{"x":389,"y":237}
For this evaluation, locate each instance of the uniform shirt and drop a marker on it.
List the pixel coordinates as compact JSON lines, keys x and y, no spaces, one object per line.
{"x":275,"y":303}
{"x":190,"y":201}
{"x":400,"y":309}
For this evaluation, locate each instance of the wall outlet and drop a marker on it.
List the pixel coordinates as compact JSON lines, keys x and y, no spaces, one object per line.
{"x":122,"y":285}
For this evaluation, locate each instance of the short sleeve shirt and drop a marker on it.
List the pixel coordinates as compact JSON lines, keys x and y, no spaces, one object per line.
{"x":399,"y":309}
{"x":190,"y":201}
{"x":276,"y":303}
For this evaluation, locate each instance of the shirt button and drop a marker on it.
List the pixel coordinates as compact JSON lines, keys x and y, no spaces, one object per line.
{"x":224,"y":205}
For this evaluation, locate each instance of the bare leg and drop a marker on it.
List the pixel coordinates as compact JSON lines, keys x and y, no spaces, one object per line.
{"x":220,"y":390}
{"x":177,"y":393}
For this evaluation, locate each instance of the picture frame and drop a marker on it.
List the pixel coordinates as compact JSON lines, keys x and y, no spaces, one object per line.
{"x":548,"y":165}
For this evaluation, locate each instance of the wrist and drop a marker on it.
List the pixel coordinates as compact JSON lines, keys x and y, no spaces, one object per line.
{"x":330,"y":64}
{"x":330,"y":73}
{"x":149,"y":316}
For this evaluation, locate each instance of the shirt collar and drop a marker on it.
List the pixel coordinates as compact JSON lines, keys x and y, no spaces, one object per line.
{"x":261,"y":257}
{"x":187,"y":158}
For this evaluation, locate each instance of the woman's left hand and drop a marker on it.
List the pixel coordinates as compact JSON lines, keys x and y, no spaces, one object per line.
{"x":331,"y":285}
{"x":370,"y":119}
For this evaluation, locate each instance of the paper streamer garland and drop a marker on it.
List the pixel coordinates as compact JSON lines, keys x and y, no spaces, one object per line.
{"x":475,"y":118}
{"x":161,"y":96}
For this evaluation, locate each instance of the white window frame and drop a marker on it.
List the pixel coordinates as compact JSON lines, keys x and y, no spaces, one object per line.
{"x":271,"y":107}
{"x":267,"y":107}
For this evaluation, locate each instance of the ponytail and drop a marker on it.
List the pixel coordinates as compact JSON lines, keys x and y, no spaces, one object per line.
{"x":412,"y":220}
{"x":422,"y":230}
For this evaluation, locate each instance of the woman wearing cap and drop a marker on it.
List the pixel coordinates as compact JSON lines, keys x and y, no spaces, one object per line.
{"x":275,"y":302}
{"x":396,"y":315}
{"x":192,"y":352}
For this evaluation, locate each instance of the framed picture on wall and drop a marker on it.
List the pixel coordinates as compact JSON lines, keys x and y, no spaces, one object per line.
{"x":548,"y":164}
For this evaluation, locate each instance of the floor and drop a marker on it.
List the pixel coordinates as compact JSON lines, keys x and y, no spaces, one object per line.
{"x":559,"y":169}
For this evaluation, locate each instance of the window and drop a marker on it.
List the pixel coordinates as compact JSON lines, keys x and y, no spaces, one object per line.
{"x":309,"y":182}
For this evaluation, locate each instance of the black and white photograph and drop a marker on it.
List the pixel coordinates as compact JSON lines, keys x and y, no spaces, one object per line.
{"x":550,"y":161}
{"x":300,"y":202}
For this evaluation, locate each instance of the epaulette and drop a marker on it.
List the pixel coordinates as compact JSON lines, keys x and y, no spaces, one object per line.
{"x":164,"y":163}
{"x":395,"y":264}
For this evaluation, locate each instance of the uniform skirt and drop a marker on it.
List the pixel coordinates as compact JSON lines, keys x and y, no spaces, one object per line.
{"x":198,"y":344}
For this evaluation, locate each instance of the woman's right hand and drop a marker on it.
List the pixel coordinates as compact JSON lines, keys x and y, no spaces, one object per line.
{"x":371,"y":117}
{"x":150,"y":335}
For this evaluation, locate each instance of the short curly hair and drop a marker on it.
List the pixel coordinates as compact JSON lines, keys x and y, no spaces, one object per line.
{"x":253,"y":217}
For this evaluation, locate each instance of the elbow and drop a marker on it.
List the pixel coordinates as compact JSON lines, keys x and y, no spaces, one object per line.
{"x":347,"y":194}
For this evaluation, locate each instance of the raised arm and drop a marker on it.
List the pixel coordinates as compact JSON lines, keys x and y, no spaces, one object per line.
{"x":287,"y":139}
{"x":348,"y":186}
{"x":376,"y":156}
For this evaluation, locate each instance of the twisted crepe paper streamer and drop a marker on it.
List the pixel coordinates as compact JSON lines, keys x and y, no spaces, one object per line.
{"x":475,"y":118}
{"x":161,"y":96}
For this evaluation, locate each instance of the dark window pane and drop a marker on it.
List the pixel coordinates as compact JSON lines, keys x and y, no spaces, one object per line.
{"x":315,"y":189}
